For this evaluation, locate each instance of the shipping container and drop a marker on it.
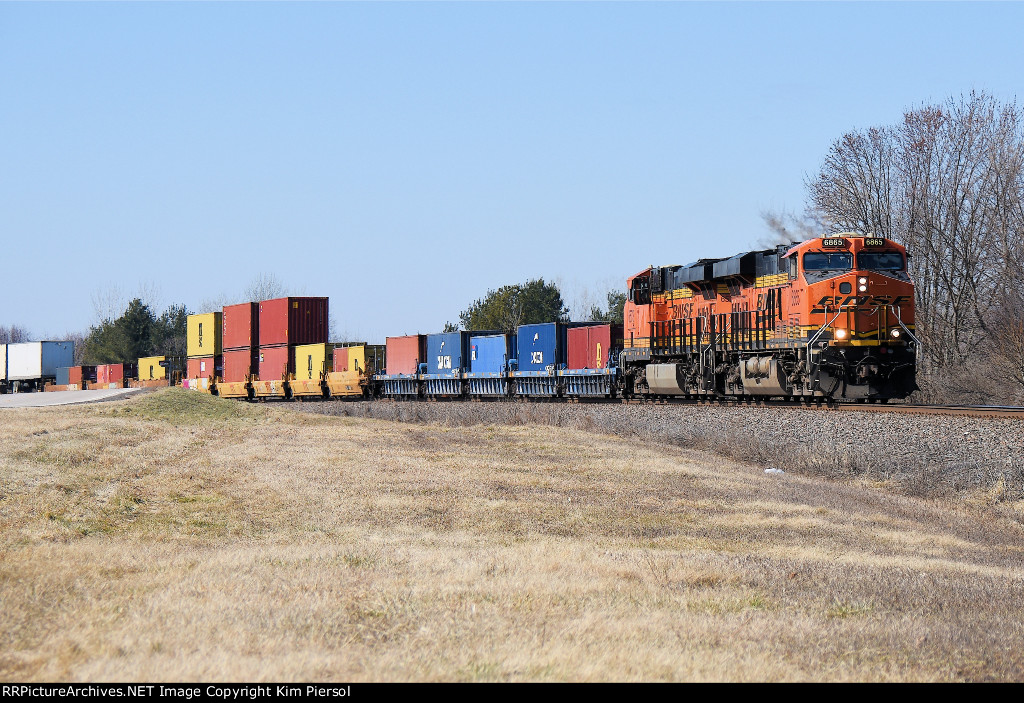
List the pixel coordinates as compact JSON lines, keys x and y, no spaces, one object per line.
{"x":150,"y":368}
{"x":276,"y":362}
{"x":447,"y":353}
{"x":345,"y":357}
{"x":28,"y":361}
{"x":75,"y":376}
{"x":311,"y":362}
{"x":293,"y":321}
{"x":205,"y":367}
{"x":89,"y":374}
{"x":405,"y":354}
{"x":540,"y":347}
{"x":107,"y":374}
{"x":63,"y":377}
{"x":489,"y":353}
{"x":204,"y":334}
{"x":593,"y":346}
{"x":240,"y":326}
{"x":239,"y":364}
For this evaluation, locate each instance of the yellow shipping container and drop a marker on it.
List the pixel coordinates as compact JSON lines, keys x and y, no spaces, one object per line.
{"x":310,"y":361}
{"x":150,"y":368}
{"x":204,"y":334}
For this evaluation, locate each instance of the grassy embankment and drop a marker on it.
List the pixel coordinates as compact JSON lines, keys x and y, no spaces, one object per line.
{"x":179,"y":536}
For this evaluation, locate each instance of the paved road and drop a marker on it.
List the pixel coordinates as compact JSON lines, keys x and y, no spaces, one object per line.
{"x":39,"y":400}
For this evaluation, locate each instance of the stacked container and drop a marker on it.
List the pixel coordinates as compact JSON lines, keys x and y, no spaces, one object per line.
{"x":402,"y":361}
{"x":286,"y":324}
{"x":204,"y":347}
{"x":240,"y":325}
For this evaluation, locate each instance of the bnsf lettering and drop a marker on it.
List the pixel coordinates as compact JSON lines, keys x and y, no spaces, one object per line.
{"x":444,"y":362}
{"x":537,"y":357}
{"x":681,"y":310}
{"x":837,"y":301}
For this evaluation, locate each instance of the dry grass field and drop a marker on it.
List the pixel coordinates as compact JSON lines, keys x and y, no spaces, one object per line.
{"x":179,"y":537}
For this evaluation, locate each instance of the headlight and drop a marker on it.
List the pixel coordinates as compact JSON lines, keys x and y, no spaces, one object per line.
{"x":840,"y":334}
{"x":895,"y":333}
{"x":863,"y":281}
{"x":862,"y":288}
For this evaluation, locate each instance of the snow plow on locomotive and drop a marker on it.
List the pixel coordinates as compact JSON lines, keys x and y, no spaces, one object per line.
{"x":829,"y":318}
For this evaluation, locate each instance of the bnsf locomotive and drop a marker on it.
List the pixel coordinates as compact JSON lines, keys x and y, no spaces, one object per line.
{"x":828,"y":318}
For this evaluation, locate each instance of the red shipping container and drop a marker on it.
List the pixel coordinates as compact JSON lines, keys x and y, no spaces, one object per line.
{"x":275,"y":362}
{"x":405,"y":354}
{"x":75,"y":375}
{"x":589,"y":347}
{"x":238,"y":364}
{"x":115,"y":373}
{"x":203,"y":367}
{"x":340,"y":357}
{"x":293,"y":321}
{"x":240,"y":326}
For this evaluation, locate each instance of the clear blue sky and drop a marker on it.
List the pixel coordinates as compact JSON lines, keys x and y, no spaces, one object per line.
{"x":403,"y":158}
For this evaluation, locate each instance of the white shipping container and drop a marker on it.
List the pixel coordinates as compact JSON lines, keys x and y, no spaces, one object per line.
{"x":3,"y":362}
{"x":31,"y":360}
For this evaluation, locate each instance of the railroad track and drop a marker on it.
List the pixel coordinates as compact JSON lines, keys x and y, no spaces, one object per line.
{"x":989,"y":411}
{"x":1007,"y":411}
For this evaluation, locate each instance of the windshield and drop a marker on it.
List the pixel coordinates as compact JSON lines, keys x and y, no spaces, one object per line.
{"x":831,"y":261}
{"x":880,"y":260}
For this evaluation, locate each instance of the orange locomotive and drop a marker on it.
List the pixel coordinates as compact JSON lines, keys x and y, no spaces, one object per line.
{"x":827,"y":318}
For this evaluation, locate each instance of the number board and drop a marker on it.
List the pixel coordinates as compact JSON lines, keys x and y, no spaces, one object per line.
{"x":833,"y":242}
{"x":874,"y":242}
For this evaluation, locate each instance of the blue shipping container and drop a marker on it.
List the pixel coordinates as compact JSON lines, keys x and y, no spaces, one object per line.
{"x":541,"y":347}
{"x":447,"y":353}
{"x":63,"y":375}
{"x":490,"y":353}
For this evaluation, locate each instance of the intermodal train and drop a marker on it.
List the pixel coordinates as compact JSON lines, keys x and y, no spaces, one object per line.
{"x":827,"y":319}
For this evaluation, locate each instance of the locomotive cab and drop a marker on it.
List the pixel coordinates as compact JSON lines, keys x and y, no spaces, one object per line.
{"x":855,"y":306}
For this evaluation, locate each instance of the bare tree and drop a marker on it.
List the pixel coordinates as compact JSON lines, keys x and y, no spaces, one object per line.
{"x":12,"y":334}
{"x":948,"y":183}
{"x":108,"y":304}
{"x":265,"y":286}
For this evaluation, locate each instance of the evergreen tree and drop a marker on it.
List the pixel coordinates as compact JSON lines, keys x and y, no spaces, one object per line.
{"x":511,"y":306}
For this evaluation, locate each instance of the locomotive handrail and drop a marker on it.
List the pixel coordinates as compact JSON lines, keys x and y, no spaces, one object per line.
{"x":906,"y":329}
{"x":817,"y":334}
